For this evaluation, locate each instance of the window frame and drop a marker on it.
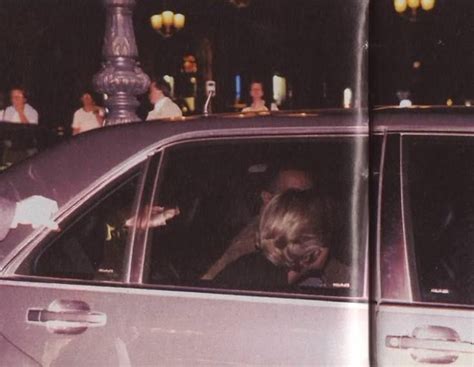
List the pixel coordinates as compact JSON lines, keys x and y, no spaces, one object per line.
{"x":143,"y":248}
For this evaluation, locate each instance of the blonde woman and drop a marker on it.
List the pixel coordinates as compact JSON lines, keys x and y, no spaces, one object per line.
{"x":293,"y":241}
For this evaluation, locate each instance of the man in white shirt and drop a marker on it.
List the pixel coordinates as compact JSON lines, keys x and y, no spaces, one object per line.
{"x":19,"y":112}
{"x":164,"y":107}
{"x":89,"y":117}
{"x":258,"y":103}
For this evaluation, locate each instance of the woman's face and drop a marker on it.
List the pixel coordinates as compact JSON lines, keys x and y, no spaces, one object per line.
{"x":314,"y":261}
{"x":256,"y":91}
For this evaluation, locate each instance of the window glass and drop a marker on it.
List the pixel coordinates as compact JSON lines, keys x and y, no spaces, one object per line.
{"x":439,"y":205}
{"x":273,"y":215}
{"x":92,"y":245}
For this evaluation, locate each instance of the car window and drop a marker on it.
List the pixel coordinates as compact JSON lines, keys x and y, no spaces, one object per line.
{"x":92,"y":245}
{"x":439,"y":214}
{"x":208,"y":215}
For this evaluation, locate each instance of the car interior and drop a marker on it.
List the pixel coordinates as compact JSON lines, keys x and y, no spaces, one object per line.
{"x":218,"y":187}
{"x":440,"y":191}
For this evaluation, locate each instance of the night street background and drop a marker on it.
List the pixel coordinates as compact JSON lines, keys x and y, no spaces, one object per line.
{"x":53,"y":48}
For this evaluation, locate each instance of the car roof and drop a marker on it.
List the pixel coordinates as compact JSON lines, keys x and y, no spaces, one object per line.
{"x":423,"y":119}
{"x":82,"y":159}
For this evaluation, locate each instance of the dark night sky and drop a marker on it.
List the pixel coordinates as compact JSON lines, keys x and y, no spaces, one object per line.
{"x":53,"y":48}
{"x":442,"y":40}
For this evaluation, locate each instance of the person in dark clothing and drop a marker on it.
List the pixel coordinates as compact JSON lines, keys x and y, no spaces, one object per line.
{"x":293,"y":242}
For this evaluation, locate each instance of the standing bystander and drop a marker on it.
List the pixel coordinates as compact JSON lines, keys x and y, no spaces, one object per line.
{"x":164,"y":107}
{"x":258,"y":103}
{"x":89,"y":116}
{"x":20,"y":111}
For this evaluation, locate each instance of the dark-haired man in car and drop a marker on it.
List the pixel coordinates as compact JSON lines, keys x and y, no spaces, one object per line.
{"x":244,"y":243}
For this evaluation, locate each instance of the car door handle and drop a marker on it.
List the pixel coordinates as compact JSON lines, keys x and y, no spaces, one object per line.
{"x":431,"y":344}
{"x":66,"y":317}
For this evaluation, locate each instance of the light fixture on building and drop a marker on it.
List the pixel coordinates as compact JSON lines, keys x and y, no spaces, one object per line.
{"x":347,"y":98}
{"x":410,"y":8}
{"x":279,"y":89}
{"x":167,"y":23}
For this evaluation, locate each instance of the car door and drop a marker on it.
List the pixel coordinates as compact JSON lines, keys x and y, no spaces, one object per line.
{"x":61,"y":298}
{"x":64,"y":304}
{"x":425,"y":312}
{"x":185,"y":318}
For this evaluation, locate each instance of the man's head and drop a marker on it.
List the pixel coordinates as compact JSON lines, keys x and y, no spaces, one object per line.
{"x":256,"y":91}
{"x":158,"y":90}
{"x":18,"y":97}
{"x":285,"y":179}
{"x":295,"y":229}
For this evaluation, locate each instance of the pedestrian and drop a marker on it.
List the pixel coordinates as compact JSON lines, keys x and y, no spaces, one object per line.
{"x":164,"y":107}
{"x":258,"y":103}
{"x":20,"y":111}
{"x":89,"y":116}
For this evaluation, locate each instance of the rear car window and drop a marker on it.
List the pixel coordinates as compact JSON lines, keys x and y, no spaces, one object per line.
{"x":438,"y":192}
{"x":214,"y":195}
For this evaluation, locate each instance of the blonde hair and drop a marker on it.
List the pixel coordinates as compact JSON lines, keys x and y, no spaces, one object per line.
{"x":294,"y":228}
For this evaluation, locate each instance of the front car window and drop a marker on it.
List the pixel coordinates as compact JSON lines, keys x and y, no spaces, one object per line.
{"x":212,"y":198}
{"x":93,"y":243}
{"x":439,"y":201}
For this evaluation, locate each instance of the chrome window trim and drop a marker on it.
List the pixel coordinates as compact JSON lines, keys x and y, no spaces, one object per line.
{"x":378,"y":250}
{"x":132,"y":289}
{"x":407,"y":268}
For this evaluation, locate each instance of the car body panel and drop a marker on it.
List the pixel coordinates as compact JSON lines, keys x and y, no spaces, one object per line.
{"x":402,"y":320}
{"x":162,"y":327}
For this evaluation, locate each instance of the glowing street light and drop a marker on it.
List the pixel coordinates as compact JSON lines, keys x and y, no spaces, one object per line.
{"x":402,"y":7}
{"x":167,"y":23}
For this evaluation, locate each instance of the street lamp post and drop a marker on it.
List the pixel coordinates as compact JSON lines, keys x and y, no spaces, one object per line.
{"x":121,"y":77}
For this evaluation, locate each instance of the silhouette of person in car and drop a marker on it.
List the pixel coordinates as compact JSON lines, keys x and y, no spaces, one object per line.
{"x":293,"y":242}
{"x":287,"y":177}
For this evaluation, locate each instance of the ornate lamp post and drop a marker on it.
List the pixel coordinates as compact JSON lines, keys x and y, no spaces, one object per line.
{"x":121,"y":77}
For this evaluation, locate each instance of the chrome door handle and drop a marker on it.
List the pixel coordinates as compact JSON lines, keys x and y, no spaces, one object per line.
{"x":431,"y":344}
{"x":66,"y":317}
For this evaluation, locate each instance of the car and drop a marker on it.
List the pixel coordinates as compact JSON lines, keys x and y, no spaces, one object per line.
{"x":111,"y":289}
{"x":20,"y":141}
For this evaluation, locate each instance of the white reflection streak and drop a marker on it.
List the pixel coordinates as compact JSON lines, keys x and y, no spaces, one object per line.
{"x":358,"y":325}
{"x":122,"y":353}
{"x":174,"y":331}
